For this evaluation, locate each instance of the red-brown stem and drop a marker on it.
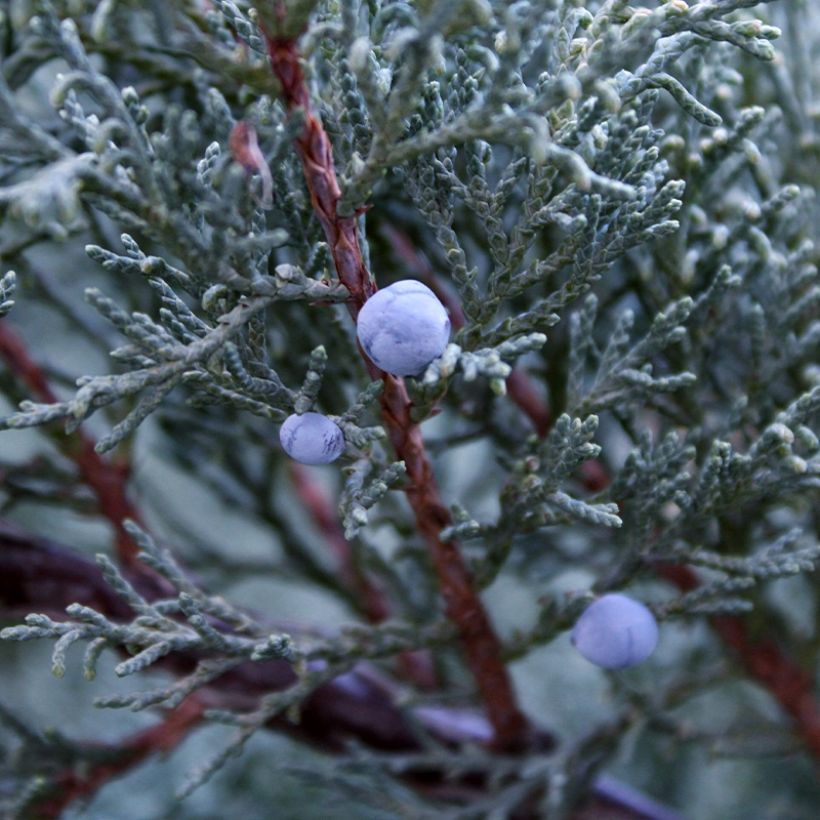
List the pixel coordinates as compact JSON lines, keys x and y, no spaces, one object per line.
{"x":79,"y":782}
{"x":462,"y":602}
{"x":764,"y":660}
{"x":107,"y":479}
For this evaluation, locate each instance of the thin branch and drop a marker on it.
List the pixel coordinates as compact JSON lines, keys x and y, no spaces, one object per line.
{"x":375,"y":606}
{"x":372,"y":601}
{"x":40,"y":575}
{"x":764,"y":661}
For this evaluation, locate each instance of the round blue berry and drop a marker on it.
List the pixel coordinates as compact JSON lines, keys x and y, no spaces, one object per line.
{"x":615,"y":632}
{"x":402,"y":328}
{"x":311,"y":438}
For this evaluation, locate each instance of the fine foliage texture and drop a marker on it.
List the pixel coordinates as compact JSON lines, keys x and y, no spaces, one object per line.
{"x":611,"y":210}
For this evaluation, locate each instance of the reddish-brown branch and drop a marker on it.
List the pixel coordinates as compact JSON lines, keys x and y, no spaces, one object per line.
{"x":462,"y":602}
{"x":763,"y":660}
{"x":85,"y":779}
{"x":316,"y":153}
{"x":107,"y":479}
{"x":766,"y":662}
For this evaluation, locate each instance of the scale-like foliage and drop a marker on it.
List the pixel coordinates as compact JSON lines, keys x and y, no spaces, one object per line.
{"x":615,"y":205}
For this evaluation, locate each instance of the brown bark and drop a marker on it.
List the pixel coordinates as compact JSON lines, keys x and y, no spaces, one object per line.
{"x":462,"y":602}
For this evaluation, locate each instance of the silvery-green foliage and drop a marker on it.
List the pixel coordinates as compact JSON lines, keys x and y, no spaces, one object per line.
{"x":616,"y":200}
{"x":7,"y":285}
{"x":359,"y":496}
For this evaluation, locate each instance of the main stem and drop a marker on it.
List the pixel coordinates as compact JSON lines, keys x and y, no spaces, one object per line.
{"x":462,"y":603}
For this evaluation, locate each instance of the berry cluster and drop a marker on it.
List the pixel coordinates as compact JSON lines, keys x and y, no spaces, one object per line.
{"x":401,"y":329}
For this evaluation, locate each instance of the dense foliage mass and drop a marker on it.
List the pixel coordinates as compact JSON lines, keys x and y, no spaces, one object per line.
{"x":596,"y":398}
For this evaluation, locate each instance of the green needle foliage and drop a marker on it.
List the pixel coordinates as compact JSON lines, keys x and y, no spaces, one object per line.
{"x":616,"y":204}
